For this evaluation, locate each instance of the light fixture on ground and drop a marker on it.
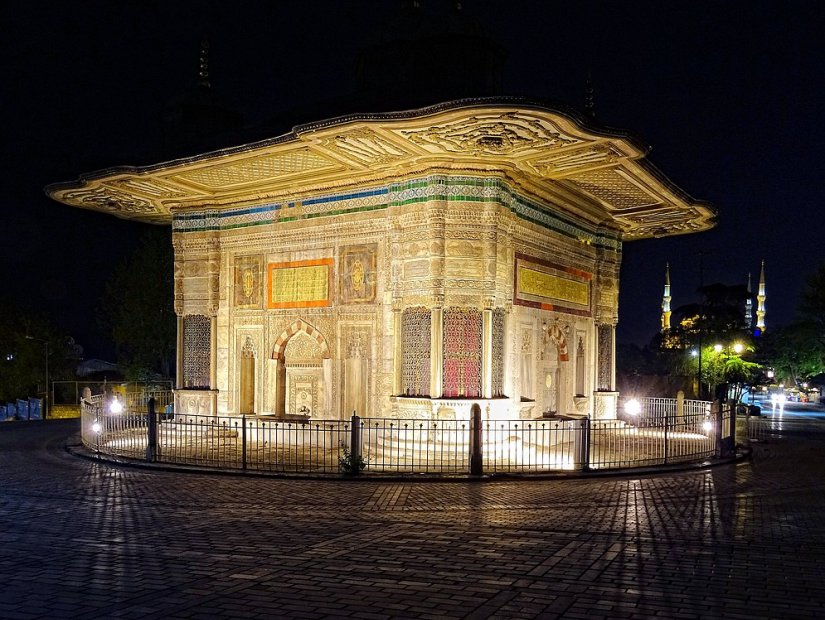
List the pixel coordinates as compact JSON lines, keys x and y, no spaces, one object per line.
{"x":633,"y":407}
{"x":116,"y":406}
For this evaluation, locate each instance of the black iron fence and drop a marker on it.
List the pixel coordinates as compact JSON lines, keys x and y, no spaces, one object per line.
{"x":144,"y":426}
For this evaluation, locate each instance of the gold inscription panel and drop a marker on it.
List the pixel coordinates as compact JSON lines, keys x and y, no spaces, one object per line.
{"x":299,"y":284}
{"x":541,"y":284}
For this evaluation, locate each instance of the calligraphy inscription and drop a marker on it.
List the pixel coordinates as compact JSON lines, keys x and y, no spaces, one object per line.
{"x":299,"y":284}
{"x":548,"y":286}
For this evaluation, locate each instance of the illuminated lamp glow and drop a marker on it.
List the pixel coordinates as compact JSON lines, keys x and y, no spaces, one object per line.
{"x":633,"y":407}
{"x":116,"y":406}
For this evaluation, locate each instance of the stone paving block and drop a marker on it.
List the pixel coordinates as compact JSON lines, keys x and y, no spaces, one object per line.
{"x":719,"y":543}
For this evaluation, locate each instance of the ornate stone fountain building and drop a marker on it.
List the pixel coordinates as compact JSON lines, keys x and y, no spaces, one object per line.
{"x":402,"y":264}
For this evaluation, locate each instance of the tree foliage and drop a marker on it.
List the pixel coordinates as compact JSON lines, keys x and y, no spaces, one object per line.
{"x":795,"y":352}
{"x":811,"y":311}
{"x":137,"y":308}
{"x":24,"y":351}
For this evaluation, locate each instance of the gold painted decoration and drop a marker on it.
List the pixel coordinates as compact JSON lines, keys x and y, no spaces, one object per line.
{"x":356,"y":269}
{"x":545,"y":285}
{"x":549,"y":286}
{"x":537,"y":149}
{"x":299,"y":284}
{"x":492,"y":134}
{"x":248,"y":271}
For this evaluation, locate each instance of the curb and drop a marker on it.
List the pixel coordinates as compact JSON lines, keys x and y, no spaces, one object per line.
{"x":75,"y":447}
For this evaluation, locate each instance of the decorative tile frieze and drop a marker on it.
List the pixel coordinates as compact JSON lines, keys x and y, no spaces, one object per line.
{"x":433,"y":188}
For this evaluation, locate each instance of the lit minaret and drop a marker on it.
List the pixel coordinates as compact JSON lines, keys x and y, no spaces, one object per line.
{"x":760,"y":302}
{"x":749,"y":305}
{"x":666,"y":301}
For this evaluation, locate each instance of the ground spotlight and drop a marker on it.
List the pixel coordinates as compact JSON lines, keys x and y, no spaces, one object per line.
{"x":633,"y":407}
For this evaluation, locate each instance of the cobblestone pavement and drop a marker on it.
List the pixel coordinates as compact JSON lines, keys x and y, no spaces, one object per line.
{"x":83,"y":539}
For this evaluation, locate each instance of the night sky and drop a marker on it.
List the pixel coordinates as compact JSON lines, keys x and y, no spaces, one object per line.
{"x":728,"y":94}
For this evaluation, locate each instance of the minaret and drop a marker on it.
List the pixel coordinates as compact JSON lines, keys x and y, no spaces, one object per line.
{"x":760,"y":302}
{"x":666,"y":301}
{"x":749,"y":305}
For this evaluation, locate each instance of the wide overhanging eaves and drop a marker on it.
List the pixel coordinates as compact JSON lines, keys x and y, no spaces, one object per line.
{"x":591,"y":172}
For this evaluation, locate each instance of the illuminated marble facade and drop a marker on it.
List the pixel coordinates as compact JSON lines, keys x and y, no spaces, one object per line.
{"x":404,"y":264}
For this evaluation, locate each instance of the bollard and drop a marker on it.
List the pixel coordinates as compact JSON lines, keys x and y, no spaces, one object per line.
{"x":152,"y":439}
{"x":476,"y":456}
{"x":355,"y":445}
{"x":581,"y":446}
{"x":716,"y":416}
{"x":243,"y":441}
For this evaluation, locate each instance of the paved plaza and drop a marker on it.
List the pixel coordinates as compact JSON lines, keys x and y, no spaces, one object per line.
{"x":85,"y":539}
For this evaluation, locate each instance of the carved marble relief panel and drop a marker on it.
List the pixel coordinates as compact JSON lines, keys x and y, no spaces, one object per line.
{"x":605,"y":358}
{"x":248,"y":274}
{"x":357,"y":274}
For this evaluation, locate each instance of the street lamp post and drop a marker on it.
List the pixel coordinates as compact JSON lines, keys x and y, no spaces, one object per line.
{"x":46,"y":393}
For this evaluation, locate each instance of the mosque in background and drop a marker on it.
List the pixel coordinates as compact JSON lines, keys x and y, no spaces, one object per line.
{"x":403,"y":264}
{"x":674,"y":338}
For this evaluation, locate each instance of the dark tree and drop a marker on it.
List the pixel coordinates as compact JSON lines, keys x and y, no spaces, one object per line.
{"x":26,"y":341}
{"x":812,"y":304}
{"x":137,"y":308}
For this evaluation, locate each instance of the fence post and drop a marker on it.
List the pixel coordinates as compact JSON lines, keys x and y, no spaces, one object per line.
{"x":243,"y":441}
{"x":355,"y":444}
{"x":666,"y":421}
{"x":476,"y":460}
{"x":680,"y":408}
{"x":152,"y":439}
{"x":581,"y":446}
{"x":716,"y":415}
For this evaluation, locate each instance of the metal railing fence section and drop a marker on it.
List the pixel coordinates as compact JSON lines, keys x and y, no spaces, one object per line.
{"x":410,"y":446}
{"x":399,"y":446}
{"x":531,"y":445}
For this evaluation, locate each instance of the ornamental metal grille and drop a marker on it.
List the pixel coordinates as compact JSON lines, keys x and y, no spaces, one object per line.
{"x":462,"y":352}
{"x":415,"y":351}
{"x":197,"y":339}
{"x":497,"y":365}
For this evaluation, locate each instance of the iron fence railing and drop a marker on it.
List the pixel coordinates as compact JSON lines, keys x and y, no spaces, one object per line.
{"x":615,"y":444}
{"x":534,"y":445}
{"x":410,"y":446}
{"x":140,"y":429}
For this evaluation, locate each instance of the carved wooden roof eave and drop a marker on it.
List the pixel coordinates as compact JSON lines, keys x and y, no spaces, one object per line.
{"x":404,"y":142}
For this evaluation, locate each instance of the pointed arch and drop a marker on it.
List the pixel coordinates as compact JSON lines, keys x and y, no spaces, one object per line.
{"x":299,"y":326}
